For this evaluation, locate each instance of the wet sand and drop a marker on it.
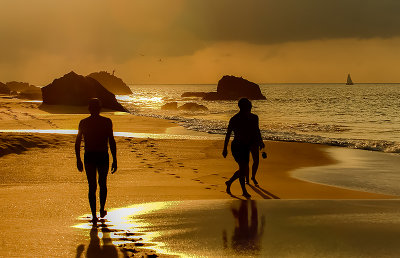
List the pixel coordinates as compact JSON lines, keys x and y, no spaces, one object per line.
{"x":43,"y":195}
{"x":262,"y":228}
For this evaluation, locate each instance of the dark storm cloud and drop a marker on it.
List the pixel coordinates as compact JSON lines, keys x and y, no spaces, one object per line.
{"x":277,"y":21}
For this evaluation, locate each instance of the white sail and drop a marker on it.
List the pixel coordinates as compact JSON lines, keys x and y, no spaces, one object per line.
{"x":349,"y":81}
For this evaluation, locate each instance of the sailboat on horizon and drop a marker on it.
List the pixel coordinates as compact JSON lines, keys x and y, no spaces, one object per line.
{"x":349,"y":81}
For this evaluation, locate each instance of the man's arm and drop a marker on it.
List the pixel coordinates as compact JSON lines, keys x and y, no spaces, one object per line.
{"x":78,"y":141}
{"x":113,"y":148}
{"x":227,"y":137}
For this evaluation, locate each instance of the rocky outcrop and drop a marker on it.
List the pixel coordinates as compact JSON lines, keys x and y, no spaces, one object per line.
{"x":4,"y":89}
{"x":24,"y":90}
{"x":111,"y":83}
{"x":18,"y":86}
{"x":194,"y":107}
{"x":194,"y":94}
{"x":33,"y":93}
{"x":170,"y":106}
{"x":191,"y":106}
{"x":76,"y":90}
{"x":231,"y":88}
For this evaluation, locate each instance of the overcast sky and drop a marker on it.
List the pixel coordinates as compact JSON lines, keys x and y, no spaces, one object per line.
{"x":198,"y":41}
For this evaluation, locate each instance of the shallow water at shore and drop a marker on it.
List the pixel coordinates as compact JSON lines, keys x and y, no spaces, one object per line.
{"x":284,"y":228}
{"x":359,"y":170}
{"x":362,"y":116}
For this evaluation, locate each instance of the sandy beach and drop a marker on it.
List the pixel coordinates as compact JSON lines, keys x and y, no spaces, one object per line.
{"x":43,"y":195}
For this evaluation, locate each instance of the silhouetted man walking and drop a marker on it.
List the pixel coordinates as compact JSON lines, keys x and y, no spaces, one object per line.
{"x":97,"y":133}
{"x":246,"y":134}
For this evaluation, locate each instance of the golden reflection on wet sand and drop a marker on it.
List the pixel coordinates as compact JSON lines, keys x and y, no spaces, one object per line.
{"x":121,"y":229}
{"x":247,"y":228}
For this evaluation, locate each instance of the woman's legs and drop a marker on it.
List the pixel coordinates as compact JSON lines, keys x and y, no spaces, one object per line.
{"x":255,"y":154}
{"x":241,"y":154}
{"x":241,"y":175}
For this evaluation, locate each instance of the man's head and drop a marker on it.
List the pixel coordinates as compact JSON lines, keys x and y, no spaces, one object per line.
{"x":94,"y":106}
{"x":244,"y":105}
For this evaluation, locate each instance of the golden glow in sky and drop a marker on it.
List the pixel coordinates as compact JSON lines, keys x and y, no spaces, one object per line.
{"x":189,"y":41}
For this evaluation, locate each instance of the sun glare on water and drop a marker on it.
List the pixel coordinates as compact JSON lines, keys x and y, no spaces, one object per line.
{"x":123,"y":227}
{"x":133,"y":99}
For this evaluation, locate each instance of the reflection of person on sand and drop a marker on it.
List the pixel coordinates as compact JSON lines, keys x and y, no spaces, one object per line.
{"x":97,"y":133}
{"x":246,"y":134}
{"x":247,"y":237}
{"x":107,"y":249}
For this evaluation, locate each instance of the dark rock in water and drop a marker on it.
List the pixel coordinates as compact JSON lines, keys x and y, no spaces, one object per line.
{"x":170,"y":106}
{"x":234,"y":88}
{"x":4,"y":89}
{"x":76,"y":90}
{"x":18,"y":86}
{"x":231,"y":88}
{"x":111,"y":83}
{"x":194,"y":94}
{"x":186,"y":107}
{"x":32,"y":92}
{"x":193,"y":107}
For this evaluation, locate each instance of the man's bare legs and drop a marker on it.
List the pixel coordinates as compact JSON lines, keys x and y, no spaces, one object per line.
{"x":91,"y":178}
{"x":91,"y":174}
{"x":103,"y":189}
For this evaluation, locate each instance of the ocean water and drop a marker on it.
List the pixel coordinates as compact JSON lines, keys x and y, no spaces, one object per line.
{"x":361,"y":116}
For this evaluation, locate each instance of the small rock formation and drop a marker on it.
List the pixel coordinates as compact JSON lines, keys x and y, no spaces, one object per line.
{"x":170,"y":106}
{"x":186,"y":107}
{"x":18,"y":86}
{"x":111,"y":83}
{"x":22,"y":90}
{"x":4,"y":89}
{"x":231,"y":88}
{"x":193,"y":107}
{"x":194,"y":94}
{"x":33,"y":93}
{"x":76,"y":90}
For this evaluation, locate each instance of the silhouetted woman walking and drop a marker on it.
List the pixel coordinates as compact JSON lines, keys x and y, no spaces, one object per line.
{"x":246,"y":134}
